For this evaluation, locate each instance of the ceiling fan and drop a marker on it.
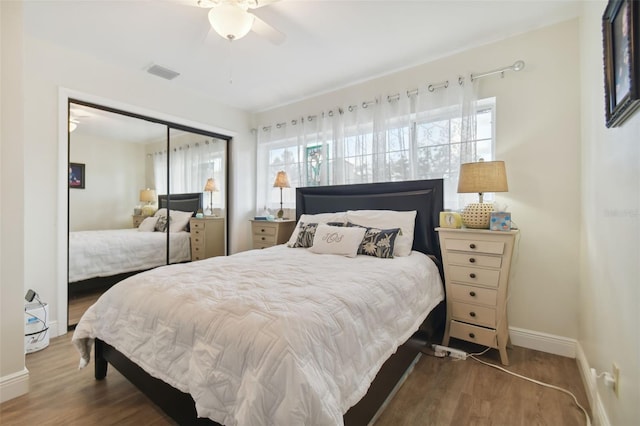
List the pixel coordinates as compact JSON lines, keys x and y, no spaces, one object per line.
{"x":232,"y":20}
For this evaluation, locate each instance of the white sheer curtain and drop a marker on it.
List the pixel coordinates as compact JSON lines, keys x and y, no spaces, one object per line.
{"x":193,"y":159}
{"x":423,"y":134}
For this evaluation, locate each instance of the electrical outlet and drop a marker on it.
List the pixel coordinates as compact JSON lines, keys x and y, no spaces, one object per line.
{"x":616,"y":380}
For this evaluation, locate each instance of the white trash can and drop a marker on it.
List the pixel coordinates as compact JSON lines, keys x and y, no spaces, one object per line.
{"x":36,"y":326}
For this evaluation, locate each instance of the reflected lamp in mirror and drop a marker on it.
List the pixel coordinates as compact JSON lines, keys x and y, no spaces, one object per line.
{"x":480,"y":177}
{"x":210,"y":187}
{"x":148,"y":197}
{"x":282,"y":181}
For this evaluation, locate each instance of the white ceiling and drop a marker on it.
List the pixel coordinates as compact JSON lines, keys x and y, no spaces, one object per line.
{"x":329,"y":44}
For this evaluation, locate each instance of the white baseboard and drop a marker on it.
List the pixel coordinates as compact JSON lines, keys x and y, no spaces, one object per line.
{"x":598,"y":413}
{"x":544,"y":342}
{"x":53,"y":329}
{"x":14,"y":385}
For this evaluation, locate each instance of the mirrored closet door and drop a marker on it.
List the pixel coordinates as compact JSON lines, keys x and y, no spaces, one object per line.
{"x":135,"y":186}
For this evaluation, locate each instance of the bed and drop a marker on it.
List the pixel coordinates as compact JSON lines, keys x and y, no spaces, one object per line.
{"x":100,"y":258}
{"x":251,"y":366}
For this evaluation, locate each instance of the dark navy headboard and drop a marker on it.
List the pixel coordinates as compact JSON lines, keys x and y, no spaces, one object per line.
{"x":424,"y":196}
{"x":182,"y":202}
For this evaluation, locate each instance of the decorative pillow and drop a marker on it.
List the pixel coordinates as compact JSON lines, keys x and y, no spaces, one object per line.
{"x":338,"y":240}
{"x":388,"y":219}
{"x":340,"y":217}
{"x":305,"y":235}
{"x":378,"y":242}
{"x":179,"y":220}
{"x":148,"y":224}
{"x":160,"y":212}
{"x":162,"y":223}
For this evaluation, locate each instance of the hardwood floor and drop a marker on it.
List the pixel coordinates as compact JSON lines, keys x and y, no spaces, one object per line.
{"x":439,"y":392}
{"x":80,"y":303}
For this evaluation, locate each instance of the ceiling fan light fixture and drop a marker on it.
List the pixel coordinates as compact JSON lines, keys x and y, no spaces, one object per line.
{"x":230,"y":21}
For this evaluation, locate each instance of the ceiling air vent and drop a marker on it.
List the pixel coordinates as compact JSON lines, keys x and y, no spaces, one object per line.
{"x":162,"y":72}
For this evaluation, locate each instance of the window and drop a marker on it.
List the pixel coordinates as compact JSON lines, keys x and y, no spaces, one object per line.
{"x":428,"y":146}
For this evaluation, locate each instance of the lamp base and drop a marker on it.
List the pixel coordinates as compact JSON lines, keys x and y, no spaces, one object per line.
{"x":477,"y":215}
{"x":280,"y":214}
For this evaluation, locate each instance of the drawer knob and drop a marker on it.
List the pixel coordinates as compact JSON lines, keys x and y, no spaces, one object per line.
{"x":472,"y":314}
{"x":472,"y":260}
{"x":262,"y":238}
{"x":262,"y":230}
{"x":472,"y":275}
{"x":472,"y":335}
{"x":472,"y":246}
{"x":472,"y":293}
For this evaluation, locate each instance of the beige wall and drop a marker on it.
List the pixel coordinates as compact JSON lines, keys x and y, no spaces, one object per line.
{"x":537,"y":135}
{"x":115,"y":173}
{"x":609,"y":296}
{"x":13,"y":375}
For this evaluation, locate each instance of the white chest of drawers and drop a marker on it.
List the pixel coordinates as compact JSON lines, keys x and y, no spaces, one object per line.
{"x":477,"y":264}
{"x":207,"y":237}
{"x":270,"y":233}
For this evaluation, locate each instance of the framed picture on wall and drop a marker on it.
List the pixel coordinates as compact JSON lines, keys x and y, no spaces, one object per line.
{"x":620,"y":35}
{"x":76,"y":175}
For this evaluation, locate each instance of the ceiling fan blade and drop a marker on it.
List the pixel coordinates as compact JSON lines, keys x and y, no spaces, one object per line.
{"x":267,"y":31}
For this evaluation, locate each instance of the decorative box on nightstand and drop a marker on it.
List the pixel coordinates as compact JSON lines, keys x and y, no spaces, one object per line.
{"x":476,"y":269}
{"x":207,"y":237}
{"x":268,"y":233}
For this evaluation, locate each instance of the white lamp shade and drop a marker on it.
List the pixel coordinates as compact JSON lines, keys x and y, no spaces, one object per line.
{"x":230,"y":21}
{"x":148,"y":195}
{"x":211,"y":186}
{"x":282,"y":180}
{"x":483,"y":176}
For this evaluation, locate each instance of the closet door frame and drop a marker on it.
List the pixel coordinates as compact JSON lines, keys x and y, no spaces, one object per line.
{"x":65,"y":98}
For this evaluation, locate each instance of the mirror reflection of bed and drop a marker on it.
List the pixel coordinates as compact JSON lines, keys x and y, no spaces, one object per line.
{"x":126,"y":164}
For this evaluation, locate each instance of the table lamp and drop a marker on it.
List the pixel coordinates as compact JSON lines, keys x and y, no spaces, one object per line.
{"x":148,"y":196}
{"x":210,"y":187}
{"x":482,"y":176}
{"x":282,"y":181}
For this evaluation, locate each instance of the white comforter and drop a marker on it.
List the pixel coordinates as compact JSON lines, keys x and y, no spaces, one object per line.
{"x":278,"y":336}
{"x":109,"y":252}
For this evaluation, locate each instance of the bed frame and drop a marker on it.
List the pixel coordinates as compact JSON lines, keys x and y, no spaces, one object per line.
{"x":189,"y":202}
{"x":426,"y":197}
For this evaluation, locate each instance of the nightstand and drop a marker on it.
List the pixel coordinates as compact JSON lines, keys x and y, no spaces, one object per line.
{"x":207,"y":237}
{"x":476,"y":269}
{"x":268,"y":233}
{"x":137,"y":219}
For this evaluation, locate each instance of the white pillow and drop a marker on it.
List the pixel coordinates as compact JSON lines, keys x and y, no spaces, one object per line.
{"x":316,"y":218}
{"x":179,"y":220}
{"x":386,"y":219}
{"x":160,"y":212}
{"x":337,"y":240}
{"x":148,"y":224}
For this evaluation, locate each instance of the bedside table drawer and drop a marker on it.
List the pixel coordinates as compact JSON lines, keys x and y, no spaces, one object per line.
{"x":197,"y":236}
{"x":260,"y":246}
{"x":473,"y":333}
{"x":474,"y":314}
{"x":472,"y":259}
{"x":264,"y":230}
{"x":198,"y":253}
{"x":197,"y":225}
{"x":264,"y":239}
{"x":469,"y":294}
{"x":486,"y":277}
{"x":476,"y":246}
